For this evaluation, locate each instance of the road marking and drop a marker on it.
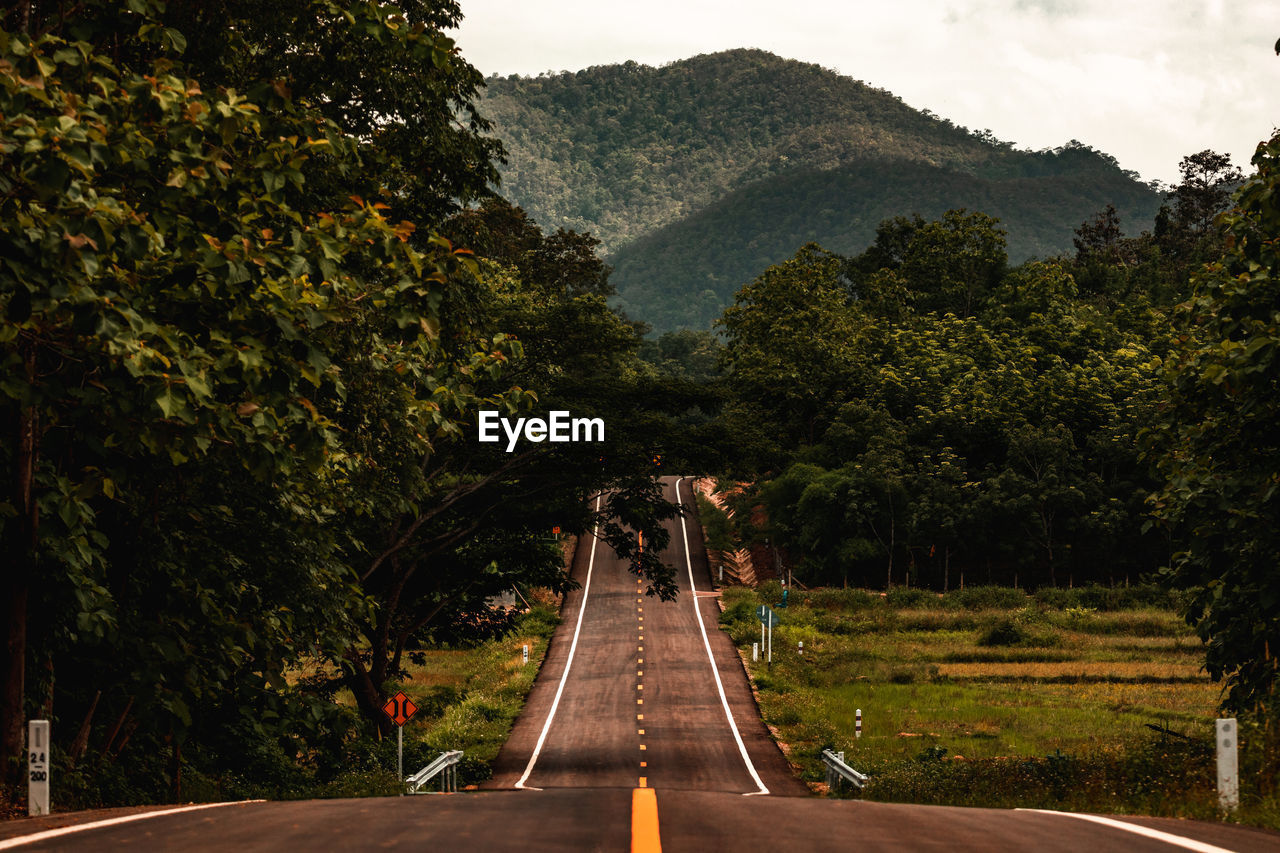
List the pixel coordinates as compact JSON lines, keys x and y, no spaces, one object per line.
{"x":643,"y":747}
{"x":639,"y":701}
{"x":644,"y":764}
{"x":644,"y":822}
{"x":644,"y":781}
{"x":639,"y":687}
{"x":715,"y":670}
{"x":10,"y":843}
{"x":573,"y":647}
{"x":639,"y":731}
{"x":1146,"y":832}
{"x":639,"y":716}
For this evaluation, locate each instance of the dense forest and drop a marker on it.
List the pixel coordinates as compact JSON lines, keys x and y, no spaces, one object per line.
{"x":242,"y":365}
{"x":925,"y":414}
{"x":731,"y":160}
{"x":257,"y":282}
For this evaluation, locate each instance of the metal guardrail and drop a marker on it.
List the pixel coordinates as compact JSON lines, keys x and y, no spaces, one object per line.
{"x":445,"y":766}
{"x":838,"y":770}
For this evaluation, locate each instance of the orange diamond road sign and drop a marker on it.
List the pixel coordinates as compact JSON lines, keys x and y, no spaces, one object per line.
{"x":400,"y":708}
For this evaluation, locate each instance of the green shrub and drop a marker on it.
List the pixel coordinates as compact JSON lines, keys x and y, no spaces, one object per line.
{"x":986,"y":598}
{"x":1004,"y":632}
{"x":835,"y":598}
{"x":904,"y":598}
{"x":718,"y":526}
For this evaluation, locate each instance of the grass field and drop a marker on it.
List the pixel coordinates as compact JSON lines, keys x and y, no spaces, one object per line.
{"x":999,"y":699}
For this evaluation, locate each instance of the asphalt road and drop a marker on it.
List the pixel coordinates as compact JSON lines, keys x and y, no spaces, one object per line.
{"x":643,"y":705}
{"x":640,"y":734}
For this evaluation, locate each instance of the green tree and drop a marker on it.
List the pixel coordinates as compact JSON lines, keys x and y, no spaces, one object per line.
{"x":1217,"y":447}
{"x":791,"y":339}
{"x":179,"y":269}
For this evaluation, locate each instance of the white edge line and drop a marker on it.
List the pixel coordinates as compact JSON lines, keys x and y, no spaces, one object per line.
{"x":10,"y":843}
{"x":715,"y":669}
{"x":564,"y":676}
{"x":1138,"y":829}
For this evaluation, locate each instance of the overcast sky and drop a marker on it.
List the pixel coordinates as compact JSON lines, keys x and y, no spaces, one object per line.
{"x":1145,"y":81}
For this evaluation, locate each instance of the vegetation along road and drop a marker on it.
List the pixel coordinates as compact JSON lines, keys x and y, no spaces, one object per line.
{"x":641,"y":733}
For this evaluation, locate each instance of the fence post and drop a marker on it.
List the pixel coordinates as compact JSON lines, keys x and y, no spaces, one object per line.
{"x":1227,"y":737}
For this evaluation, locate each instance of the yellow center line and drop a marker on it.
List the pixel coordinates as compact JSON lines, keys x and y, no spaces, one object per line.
{"x":644,"y":821}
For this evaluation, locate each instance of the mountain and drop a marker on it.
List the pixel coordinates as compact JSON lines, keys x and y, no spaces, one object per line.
{"x":697,"y":175}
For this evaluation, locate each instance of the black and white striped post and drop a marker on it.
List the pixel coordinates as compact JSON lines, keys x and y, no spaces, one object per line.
{"x":857,"y":724}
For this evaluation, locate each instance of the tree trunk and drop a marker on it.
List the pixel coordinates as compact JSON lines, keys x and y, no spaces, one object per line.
{"x":15,"y":584}
{"x":368,"y":694}
{"x":81,"y":742}
{"x":13,"y":672}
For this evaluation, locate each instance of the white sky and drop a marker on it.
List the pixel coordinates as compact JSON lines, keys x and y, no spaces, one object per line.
{"x":1145,"y":81}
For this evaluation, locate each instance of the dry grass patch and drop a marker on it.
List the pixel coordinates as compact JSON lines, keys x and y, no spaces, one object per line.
{"x":1076,"y":669}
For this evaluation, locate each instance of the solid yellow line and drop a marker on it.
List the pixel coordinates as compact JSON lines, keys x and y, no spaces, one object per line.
{"x":644,"y":822}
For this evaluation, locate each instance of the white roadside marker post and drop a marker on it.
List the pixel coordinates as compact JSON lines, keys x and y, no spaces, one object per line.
{"x":38,"y":767}
{"x":755,"y":652}
{"x":526,"y":652}
{"x":1227,"y":738}
{"x":802,"y":648}
{"x":857,"y":724}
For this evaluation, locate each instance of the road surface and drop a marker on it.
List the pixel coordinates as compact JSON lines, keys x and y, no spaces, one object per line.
{"x":641,"y":734}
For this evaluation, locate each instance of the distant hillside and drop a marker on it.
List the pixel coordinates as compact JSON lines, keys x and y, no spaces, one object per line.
{"x":740,"y":157}
{"x":683,"y":275}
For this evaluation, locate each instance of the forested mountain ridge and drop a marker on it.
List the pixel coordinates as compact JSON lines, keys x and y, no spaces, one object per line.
{"x":648,"y":160}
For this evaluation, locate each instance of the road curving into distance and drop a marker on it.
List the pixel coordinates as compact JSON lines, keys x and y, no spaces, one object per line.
{"x":641,"y":734}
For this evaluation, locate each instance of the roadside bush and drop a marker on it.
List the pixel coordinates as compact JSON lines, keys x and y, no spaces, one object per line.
{"x":835,"y":598}
{"x":904,"y":598}
{"x":1017,"y":630}
{"x":1056,"y":598}
{"x":717,"y":525}
{"x":1005,"y":632}
{"x":986,"y":598}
